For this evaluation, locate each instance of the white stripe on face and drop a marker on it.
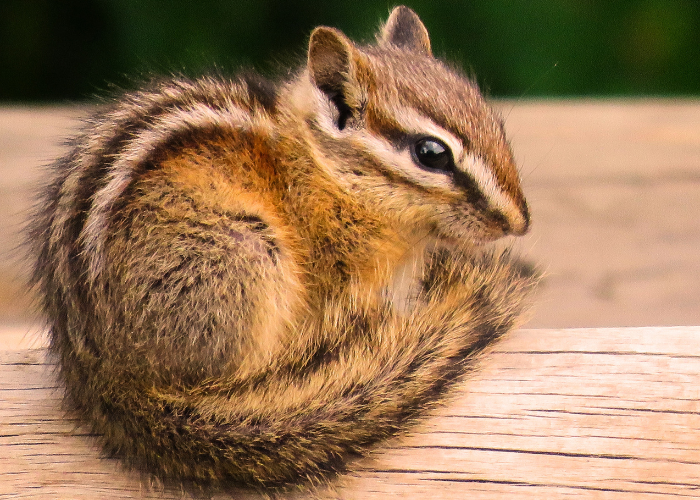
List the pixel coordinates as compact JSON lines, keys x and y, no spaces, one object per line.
{"x":467,"y":163}
{"x":401,"y":160}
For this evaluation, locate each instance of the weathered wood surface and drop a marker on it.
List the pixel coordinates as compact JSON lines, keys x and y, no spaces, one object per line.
{"x":578,"y":413}
{"x":614,"y":188}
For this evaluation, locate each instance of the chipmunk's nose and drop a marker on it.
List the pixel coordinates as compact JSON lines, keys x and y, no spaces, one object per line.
{"x":515,"y":222}
{"x":520,"y":224}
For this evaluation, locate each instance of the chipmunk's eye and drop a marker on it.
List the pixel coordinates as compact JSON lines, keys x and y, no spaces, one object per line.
{"x":433,"y":153}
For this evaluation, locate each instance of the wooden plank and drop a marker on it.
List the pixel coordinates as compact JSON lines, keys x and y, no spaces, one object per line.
{"x":30,"y":138}
{"x":577,"y":413}
{"x":614,"y":187}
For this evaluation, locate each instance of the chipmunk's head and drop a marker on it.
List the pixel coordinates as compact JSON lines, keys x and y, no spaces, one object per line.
{"x":411,"y":137}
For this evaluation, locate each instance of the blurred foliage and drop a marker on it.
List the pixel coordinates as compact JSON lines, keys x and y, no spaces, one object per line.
{"x":72,"y":49}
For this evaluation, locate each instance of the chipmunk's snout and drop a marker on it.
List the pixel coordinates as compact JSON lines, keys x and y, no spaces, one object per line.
{"x":513,"y":222}
{"x":517,"y":223}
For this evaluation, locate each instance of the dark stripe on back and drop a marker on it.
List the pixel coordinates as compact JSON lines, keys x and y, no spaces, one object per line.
{"x":146,"y":108}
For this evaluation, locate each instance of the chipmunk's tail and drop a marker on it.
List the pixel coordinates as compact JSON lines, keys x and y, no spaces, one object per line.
{"x":300,"y":419}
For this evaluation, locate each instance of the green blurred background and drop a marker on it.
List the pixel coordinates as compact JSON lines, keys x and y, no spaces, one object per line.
{"x":57,"y":50}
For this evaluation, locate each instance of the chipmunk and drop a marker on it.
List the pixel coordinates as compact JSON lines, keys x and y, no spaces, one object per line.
{"x":248,"y":283}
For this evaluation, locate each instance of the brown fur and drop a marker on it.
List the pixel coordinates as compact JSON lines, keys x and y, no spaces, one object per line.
{"x":219,"y":261}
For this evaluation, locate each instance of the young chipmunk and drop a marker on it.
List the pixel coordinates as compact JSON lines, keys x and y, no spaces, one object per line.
{"x":247,"y":283}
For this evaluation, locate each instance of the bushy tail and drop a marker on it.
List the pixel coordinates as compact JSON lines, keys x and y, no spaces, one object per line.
{"x":300,"y":418}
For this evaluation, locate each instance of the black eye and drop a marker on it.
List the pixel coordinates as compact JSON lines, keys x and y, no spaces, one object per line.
{"x":433,"y":153}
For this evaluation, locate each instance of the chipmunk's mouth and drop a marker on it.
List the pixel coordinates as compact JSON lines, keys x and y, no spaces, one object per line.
{"x":476,"y":231}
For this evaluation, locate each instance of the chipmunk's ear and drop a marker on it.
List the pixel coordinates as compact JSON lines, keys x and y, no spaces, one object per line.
{"x":405,"y":30}
{"x":332,"y":67}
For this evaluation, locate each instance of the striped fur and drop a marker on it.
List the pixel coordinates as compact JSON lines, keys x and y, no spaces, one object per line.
{"x":247,"y":283}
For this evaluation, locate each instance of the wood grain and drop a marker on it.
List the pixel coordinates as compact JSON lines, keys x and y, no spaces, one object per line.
{"x":577,"y":413}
